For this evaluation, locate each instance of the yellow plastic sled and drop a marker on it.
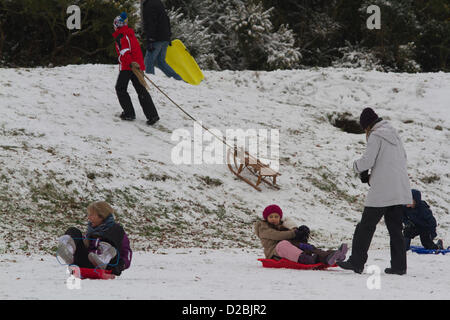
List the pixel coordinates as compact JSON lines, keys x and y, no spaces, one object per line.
{"x":183,"y":63}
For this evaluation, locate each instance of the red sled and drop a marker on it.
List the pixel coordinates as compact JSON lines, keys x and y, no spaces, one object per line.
{"x":284,"y":263}
{"x":87,"y":273}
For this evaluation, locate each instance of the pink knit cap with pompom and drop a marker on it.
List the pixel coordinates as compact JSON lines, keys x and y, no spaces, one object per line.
{"x":273,"y":208}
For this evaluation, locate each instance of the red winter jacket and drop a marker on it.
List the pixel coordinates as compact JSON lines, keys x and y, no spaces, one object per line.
{"x":128,"y":48}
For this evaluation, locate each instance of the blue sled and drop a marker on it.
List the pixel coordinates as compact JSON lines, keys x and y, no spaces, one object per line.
{"x":422,"y":250}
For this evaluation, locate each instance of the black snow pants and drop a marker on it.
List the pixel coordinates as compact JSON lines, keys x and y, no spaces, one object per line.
{"x":81,"y":252}
{"x":113,"y":236}
{"x":366,"y":228}
{"x":124,"y":98}
{"x":425,"y":238}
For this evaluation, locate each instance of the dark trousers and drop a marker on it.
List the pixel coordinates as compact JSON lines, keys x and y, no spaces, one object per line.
{"x":425,"y":238}
{"x":366,"y":228}
{"x":81,"y":253}
{"x":113,"y":236}
{"x":124,"y":98}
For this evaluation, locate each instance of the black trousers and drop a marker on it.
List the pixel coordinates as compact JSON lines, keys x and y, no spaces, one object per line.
{"x":81,"y":253}
{"x":366,"y":228}
{"x":425,"y":238}
{"x":113,"y":236}
{"x":124,"y":98}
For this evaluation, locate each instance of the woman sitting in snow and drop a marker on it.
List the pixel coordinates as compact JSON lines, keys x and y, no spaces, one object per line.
{"x":419,"y":221}
{"x":280,"y":241}
{"x":105,"y":245}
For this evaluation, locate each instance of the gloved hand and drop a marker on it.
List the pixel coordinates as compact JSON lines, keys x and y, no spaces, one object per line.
{"x":409,"y":231}
{"x":150,"y":45}
{"x":306,"y":247}
{"x":135,"y":65}
{"x":118,"y":268}
{"x":302,"y":234}
{"x":365,"y":176}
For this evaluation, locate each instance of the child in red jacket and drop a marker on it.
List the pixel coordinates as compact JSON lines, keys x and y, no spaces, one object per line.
{"x":129,"y":51}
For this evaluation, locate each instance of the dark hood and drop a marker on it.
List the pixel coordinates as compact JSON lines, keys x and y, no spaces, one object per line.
{"x":417,"y":196}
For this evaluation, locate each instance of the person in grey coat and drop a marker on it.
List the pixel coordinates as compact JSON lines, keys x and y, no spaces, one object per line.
{"x":390,"y":189}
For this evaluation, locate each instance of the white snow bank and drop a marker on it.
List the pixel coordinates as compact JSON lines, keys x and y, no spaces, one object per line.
{"x":197,"y":274}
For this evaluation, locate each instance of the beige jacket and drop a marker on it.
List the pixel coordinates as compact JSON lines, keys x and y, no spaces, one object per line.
{"x":270,"y":235}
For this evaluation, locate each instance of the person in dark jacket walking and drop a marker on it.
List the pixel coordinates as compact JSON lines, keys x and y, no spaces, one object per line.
{"x":389,"y":190}
{"x":129,"y":52}
{"x":419,"y":221}
{"x":157,"y":33}
{"x":105,"y":244}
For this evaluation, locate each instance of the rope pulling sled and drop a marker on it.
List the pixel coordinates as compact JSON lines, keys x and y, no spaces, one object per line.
{"x":241,"y":158}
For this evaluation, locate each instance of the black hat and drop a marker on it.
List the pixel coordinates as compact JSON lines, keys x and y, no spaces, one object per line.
{"x":368,"y":116}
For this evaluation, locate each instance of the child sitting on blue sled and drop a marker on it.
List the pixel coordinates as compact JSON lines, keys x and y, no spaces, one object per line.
{"x":279,"y":241}
{"x":418,"y":220}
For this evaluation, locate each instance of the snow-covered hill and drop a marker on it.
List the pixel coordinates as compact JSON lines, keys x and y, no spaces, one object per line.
{"x":62,"y":146}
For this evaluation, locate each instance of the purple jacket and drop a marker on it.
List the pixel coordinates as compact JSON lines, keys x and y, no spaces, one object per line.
{"x":125,"y":252}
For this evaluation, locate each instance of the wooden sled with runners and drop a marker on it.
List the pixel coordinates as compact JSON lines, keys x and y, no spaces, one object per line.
{"x":243,"y":160}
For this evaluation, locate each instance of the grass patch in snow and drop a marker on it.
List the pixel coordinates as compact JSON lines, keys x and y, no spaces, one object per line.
{"x":345,"y":121}
{"x":325,"y":180}
{"x":430,"y":179}
{"x":210,"y":181}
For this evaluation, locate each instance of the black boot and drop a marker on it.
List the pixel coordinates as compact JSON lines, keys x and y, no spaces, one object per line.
{"x":152,"y":121}
{"x":347,"y":265}
{"x":393,"y":271}
{"x":127,"y":117}
{"x":440,"y":244}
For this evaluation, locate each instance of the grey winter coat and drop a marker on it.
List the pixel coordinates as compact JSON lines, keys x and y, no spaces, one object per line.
{"x":386,"y":157}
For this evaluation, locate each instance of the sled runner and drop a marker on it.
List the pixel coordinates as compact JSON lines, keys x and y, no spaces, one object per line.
{"x":422,"y":250}
{"x":284,"y":263}
{"x":87,"y":273}
{"x":242,"y":159}
{"x":183,"y":63}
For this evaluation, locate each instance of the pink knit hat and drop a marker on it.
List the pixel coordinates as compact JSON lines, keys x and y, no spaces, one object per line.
{"x":273,"y":208}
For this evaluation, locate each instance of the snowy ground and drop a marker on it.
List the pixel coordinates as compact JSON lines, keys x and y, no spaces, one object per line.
{"x":197,"y":274}
{"x":62,"y":146}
